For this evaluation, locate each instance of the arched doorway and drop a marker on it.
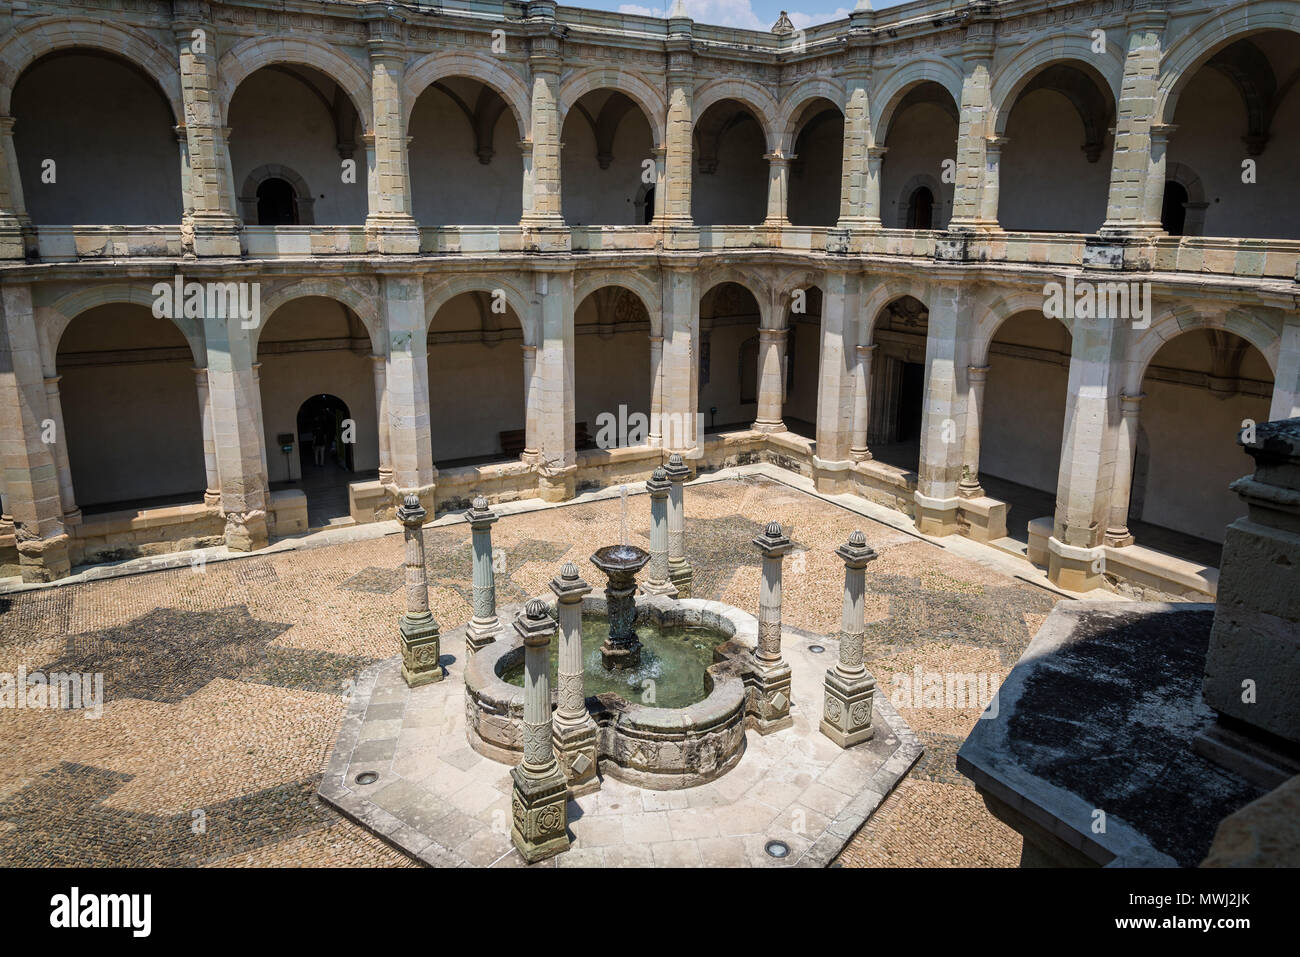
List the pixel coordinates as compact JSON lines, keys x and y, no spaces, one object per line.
{"x":920,"y":209}
{"x":803,"y":362}
{"x":898,"y":383}
{"x":729,"y":357}
{"x":1173,"y":213}
{"x":277,"y":204}
{"x":326,"y":440}
{"x":612,"y":370}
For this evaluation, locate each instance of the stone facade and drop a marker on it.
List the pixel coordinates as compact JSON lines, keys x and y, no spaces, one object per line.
{"x":972,"y":268}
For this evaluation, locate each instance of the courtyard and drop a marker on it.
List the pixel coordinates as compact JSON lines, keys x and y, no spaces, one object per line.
{"x":225,"y":683}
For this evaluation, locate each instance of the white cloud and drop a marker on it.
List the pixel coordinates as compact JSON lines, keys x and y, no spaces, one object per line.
{"x":803,"y":21}
{"x":734,"y":13}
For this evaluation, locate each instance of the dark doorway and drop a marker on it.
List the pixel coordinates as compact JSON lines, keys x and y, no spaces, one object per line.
{"x":649,"y":214}
{"x":325,"y":448}
{"x":920,"y":209}
{"x":277,"y":204}
{"x":1173,"y":216}
{"x":911,"y":401}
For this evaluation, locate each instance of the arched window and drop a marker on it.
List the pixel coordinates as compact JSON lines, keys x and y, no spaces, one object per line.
{"x":1173,"y":215}
{"x":920,"y":209}
{"x":277,"y":204}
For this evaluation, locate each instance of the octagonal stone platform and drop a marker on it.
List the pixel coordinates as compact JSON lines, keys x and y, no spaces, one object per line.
{"x":436,"y":799}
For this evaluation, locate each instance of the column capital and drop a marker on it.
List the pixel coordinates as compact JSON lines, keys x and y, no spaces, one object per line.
{"x":411,"y":513}
{"x":777,"y":158}
{"x":773,"y":335}
{"x":569,"y":586}
{"x":773,"y":542}
{"x":479,"y":515}
{"x":856,"y":553}
{"x":1130,"y":405}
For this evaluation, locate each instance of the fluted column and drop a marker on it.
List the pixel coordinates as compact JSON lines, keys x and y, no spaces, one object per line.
{"x":421,"y":641}
{"x":778,"y":188}
{"x":539,"y":795}
{"x":680,"y":572}
{"x":846,"y":716}
{"x":969,"y":486}
{"x":54,"y":406}
{"x":858,"y":448}
{"x":769,"y":707}
{"x":484,"y":626}
{"x":212,"y":478}
{"x":379,"y":368}
{"x":771,"y":380}
{"x":575,"y":729}
{"x":1121,"y":489}
{"x":656,"y":581}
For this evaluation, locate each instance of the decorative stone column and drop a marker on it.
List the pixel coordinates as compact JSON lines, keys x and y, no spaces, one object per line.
{"x":421,"y":641}
{"x":657,"y":581}
{"x":858,"y":448}
{"x":771,"y":380}
{"x":620,"y":563}
{"x":769,"y":704}
{"x":1117,"y":533}
{"x":54,"y":406}
{"x":846,"y":719}
{"x":969,"y":486}
{"x":212,"y":491}
{"x":575,"y":729}
{"x":540,"y":793}
{"x":390,"y":225}
{"x":379,"y":366}
{"x":680,"y":572}
{"x":778,"y":188}
{"x":484,"y":626}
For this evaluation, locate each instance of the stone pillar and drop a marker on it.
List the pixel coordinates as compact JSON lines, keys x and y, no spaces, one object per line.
{"x":680,"y":572}
{"x":379,"y":366}
{"x":1252,"y":668}
{"x":943,"y":419}
{"x":846,"y":718}
{"x":407,"y":381}
{"x":53,"y":405}
{"x":969,"y":486}
{"x":1137,"y":175}
{"x":1076,"y":558}
{"x":656,"y":581}
{"x":210,"y":200}
{"x":778,"y":188}
{"x":532,"y":407}
{"x":675,"y":185}
{"x":236,"y":432}
{"x":553,"y":387}
{"x":769,"y":695}
{"x":575,"y":730}
{"x":14,"y":221}
{"x":680,"y":390}
{"x":840,"y":307}
{"x":771,"y":380}
{"x":656,"y":436}
{"x":543,"y":211}
{"x":992,"y":190}
{"x":484,"y":626}
{"x":390,"y":225}
{"x":540,"y":793}
{"x":1121,"y":487}
{"x":858,"y":448}
{"x":31,"y":478}
{"x":1286,"y":383}
{"x":212,"y":490}
{"x":969,"y":208}
{"x":854,"y":174}
{"x":264,"y":473}
{"x":421,"y":639}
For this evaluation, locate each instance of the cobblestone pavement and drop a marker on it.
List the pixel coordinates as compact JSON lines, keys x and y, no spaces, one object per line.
{"x":224,"y":684}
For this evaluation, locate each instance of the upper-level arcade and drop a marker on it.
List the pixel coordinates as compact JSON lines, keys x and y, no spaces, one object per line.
{"x":1032,"y":131}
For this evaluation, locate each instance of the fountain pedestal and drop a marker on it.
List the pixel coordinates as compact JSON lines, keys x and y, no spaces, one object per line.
{"x":620,"y":563}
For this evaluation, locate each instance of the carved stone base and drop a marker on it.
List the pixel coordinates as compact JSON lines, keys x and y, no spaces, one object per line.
{"x":539,"y":814}
{"x":246,"y":531}
{"x":618,"y":657}
{"x":421,"y":649}
{"x":557,"y":485}
{"x":846,"y":714}
{"x":769,"y":698}
{"x":43,"y":559}
{"x":659,"y":588}
{"x":683,"y":577}
{"x":575,"y":749}
{"x":478,"y":637}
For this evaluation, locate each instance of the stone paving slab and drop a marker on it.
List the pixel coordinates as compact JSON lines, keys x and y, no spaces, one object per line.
{"x":413,"y":781}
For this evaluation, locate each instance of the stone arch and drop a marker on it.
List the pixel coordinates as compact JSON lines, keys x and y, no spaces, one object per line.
{"x":245,"y":58}
{"x":1072,"y":50}
{"x":637,"y":284}
{"x":792,"y":106}
{"x":53,"y":319}
{"x":1190,"y":51}
{"x":754,"y":285}
{"x":438,"y":295}
{"x":903,"y":80}
{"x":476,"y":66}
{"x":879,"y":298}
{"x":360,"y":299}
{"x":914,"y":183}
{"x":578,"y":84}
{"x":762,"y":104}
{"x":784,"y":287}
{"x":28,"y":43}
{"x":303,"y":197}
{"x":1185,"y":176}
{"x":1173,"y":321}
{"x":998,"y":311}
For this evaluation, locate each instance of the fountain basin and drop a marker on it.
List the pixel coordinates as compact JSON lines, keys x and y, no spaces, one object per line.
{"x":662,"y":748}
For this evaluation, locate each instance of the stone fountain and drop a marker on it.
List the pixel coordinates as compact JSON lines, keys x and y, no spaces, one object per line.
{"x":620,"y":563}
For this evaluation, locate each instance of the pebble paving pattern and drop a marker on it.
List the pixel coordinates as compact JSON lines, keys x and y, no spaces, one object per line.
{"x":225,"y":684}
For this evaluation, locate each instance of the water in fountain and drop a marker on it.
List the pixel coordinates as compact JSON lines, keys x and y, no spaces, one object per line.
{"x":624,"y":552}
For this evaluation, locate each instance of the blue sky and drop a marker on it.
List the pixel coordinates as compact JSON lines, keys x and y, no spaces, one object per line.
{"x":750,"y":14}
